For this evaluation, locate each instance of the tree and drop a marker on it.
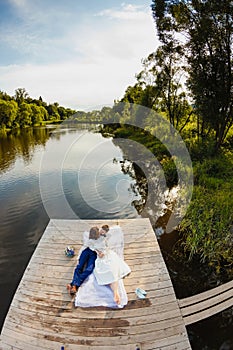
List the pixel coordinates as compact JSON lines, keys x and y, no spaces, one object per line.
{"x":38,"y":114}
{"x":162,"y":78}
{"x":4,"y":96}
{"x":24,"y":115}
{"x":8,"y":113}
{"x":65,"y":113}
{"x":133,"y":94}
{"x":22,"y":110}
{"x":21,"y":95}
{"x":53,"y":111}
{"x":105,"y":113}
{"x":207,"y":28}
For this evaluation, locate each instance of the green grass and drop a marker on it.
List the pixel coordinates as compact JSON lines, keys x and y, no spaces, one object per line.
{"x":207,"y":226}
{"x":206,"y":232}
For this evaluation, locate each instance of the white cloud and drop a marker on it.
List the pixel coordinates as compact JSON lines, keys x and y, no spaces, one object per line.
{"x":126,"y":12}
{"x":19,"y":3}
{"x":121,"y":39}
{"x":76,"y":86}
{"x":103,"y":57}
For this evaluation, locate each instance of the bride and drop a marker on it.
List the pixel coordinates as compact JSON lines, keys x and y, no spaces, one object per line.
{"x":109,"y":267}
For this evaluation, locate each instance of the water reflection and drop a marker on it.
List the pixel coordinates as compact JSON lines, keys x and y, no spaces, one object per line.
{"x":117,"y":170}
{"x":82,"y":180}
{"x":21,"y":143}
{"x":155,"y":199}
{"x":89,"y":177}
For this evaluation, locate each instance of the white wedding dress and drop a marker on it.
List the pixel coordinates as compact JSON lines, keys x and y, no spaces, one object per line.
{"x":110,"y":267}
{"x":95,"y":291}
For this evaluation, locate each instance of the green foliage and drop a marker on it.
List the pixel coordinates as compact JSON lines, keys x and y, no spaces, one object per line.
{"x":205,"y":30}
{"x":200,"y":148}
{"x":20,"y":95}
{"x":133,"y":94}
{"x":228,"y":144}
{"x":206,"y":229}
{"x":207,"y":226}
{"x":8,"y":113}
{"x":38,"y":114}
{"x":219,"y":168}
{"x":21,"y":111}
{"x":24,"y":115}
{"x":160,"y":87}
{"x":170,"y":172}
{"x":52,"y":111}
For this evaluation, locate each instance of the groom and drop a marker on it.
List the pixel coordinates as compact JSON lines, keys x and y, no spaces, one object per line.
{"x":86,"y":262}
{"x":85,"y":265}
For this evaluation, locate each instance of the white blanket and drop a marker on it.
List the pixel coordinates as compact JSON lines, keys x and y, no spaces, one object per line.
{"x":91,"y":294}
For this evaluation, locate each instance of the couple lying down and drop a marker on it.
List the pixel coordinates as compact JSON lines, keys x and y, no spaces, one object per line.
{"x":97,"y":279}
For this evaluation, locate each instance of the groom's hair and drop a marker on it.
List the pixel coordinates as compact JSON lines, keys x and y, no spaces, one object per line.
{"x":94,"y":233}
{"x":105,"y":228}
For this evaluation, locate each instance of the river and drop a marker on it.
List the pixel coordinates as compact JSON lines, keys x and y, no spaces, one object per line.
{"x":69,"y":173}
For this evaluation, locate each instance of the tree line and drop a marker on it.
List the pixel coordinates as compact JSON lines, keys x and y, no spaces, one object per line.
{"x":189,"y":78}
{"x":21,"y":110}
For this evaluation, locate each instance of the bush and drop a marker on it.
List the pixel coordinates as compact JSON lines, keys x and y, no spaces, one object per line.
{"x":206,"y":227}
{"x":170,"y":172}
{"x":212,"y":173}
{"x":201,"y":149}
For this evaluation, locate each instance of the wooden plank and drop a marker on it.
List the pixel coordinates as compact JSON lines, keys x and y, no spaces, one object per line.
{"x":205,"y":295}
{"x":104,"y":320}
{"x":42,"y":315}
{"x":49,"y":269}
{"x":202,"y":314}
{"x":207,"y":303}
{"x":89,"y":329}
{"x":58,"y":335}
{"x":135,"y":308}
{"x":128,"y":251}
{"x":134,"y":280}
{"x":174,"y":342}
{"x":28,"y":294}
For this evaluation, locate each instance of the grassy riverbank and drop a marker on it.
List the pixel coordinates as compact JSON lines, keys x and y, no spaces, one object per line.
{"x":206,"y":232}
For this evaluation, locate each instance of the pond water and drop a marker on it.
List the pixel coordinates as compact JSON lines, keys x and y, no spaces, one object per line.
{"x":66,"y":173}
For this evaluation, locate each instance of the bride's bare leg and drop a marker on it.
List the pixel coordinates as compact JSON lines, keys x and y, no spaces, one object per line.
{"x":114,"y":287}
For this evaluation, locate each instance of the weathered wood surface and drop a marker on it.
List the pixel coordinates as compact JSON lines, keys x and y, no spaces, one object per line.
{"x":206,"y":304}
{"x":42,"y":314}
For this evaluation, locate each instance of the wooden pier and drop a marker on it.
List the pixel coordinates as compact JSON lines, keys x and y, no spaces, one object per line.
{"x":42,"y":314}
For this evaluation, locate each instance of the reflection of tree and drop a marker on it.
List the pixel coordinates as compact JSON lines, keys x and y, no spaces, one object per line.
{"x":162,"y":155}
{"x":140,"y":186}
{"x":21,"y":143}
{"x":150,"y":183}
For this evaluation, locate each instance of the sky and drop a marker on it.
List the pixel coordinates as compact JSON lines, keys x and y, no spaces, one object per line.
{"x":81,"y":54}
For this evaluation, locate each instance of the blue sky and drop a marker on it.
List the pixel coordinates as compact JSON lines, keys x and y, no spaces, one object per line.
{"x":81,"y":54}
